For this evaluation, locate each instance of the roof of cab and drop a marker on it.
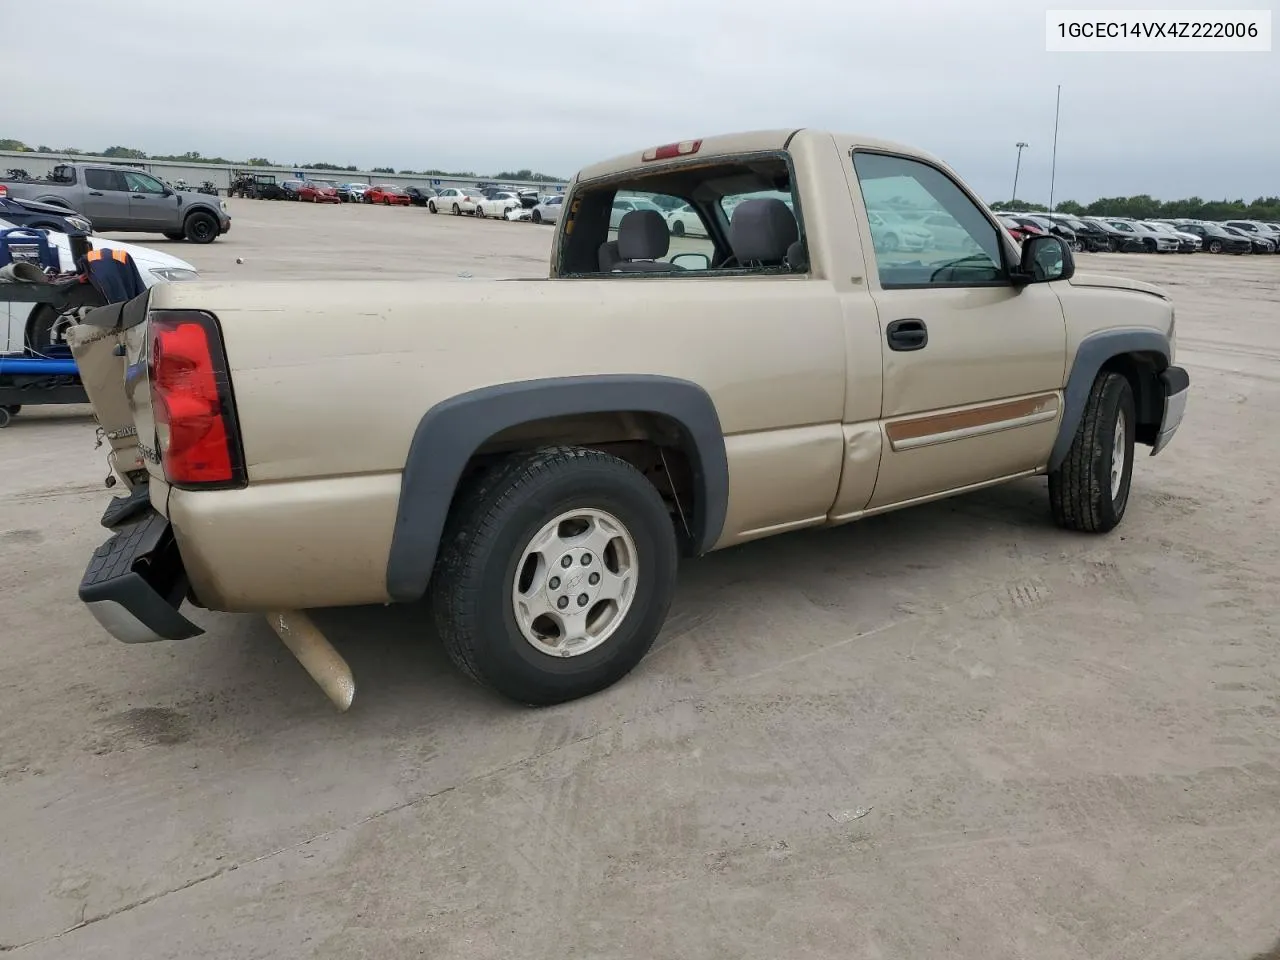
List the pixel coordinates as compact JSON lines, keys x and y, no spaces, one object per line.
{"x":728,"y":143}
{"x":747,"y":142}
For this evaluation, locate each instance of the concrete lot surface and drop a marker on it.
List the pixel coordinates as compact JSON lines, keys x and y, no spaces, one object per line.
{"x":954,"y":731}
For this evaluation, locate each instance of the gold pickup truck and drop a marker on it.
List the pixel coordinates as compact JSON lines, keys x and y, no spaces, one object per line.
{"x":845,"y":330}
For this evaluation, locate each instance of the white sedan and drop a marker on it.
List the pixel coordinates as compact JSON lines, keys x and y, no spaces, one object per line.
{"x":498,"y":205}
{"x":624,"y":205}
{"x":548,"y":210}
{"x":154,"y":266}
{"x":684,"y":221}
{"x":455,"y":200}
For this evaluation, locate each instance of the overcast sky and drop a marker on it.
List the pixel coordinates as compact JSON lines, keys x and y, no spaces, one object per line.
{"x":554,"y":84}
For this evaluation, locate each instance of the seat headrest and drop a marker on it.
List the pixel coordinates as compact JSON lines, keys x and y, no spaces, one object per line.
{"x":762,"y":230}
{"x":643,"y":235}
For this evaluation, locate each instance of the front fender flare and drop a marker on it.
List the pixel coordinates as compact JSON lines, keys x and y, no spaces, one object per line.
{"x":453,"y":430}
{"x":1094,"y":351}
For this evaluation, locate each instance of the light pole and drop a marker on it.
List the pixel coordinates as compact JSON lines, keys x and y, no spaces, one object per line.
{"x":1021,"y":146}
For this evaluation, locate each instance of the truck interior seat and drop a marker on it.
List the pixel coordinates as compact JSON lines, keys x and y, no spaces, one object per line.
{"x":608,"y":256}
{"x":762,"y":233}
{"x":643,"y":238}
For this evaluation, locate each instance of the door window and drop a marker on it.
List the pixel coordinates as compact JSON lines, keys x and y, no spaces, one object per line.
{"x":925,"y":231}
{"x":141,"y":183}
{"x":105,"y":180}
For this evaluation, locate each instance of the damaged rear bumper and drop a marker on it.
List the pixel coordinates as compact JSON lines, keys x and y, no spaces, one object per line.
{"x":135,"y":583}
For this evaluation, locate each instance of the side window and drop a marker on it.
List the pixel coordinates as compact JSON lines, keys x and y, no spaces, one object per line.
{"x":141,"y":183}
{"x":104,"y":180}
{"x":687,"y":230}
{"x":924,"y":229}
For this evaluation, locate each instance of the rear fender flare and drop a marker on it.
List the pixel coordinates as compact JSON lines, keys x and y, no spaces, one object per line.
{"x":453,"y":430}
{"x":1094,"y":351}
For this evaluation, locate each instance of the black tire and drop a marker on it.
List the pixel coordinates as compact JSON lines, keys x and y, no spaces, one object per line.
{"x":478,"y":212}
{"x":890,"y":242}
{"x":1215,"y":246}
{"x":174,"y":235}
{"x":457,"y":210}
{"x":536,"y":216}
{"x":1081,"y":491}
{"x":431,"y":205}
{"x":677,"y":228}
{"x":201,"y":227}
{"x":484,"y":541}
{"x":43,"y":330}
{"x":5,"y":417}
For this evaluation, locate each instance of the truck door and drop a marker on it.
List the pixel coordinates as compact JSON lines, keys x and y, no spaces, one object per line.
{"x":106,"y":199}
{"x":152,"y":206}
{"x":973,"y":366}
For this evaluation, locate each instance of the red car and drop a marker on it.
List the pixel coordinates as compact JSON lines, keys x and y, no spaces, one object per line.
{"x":317,"y":191}
{"x":387,"y":193}
{"x":1020,"y":229}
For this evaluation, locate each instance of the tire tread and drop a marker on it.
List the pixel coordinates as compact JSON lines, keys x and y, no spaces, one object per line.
{"x":1075,"y":488}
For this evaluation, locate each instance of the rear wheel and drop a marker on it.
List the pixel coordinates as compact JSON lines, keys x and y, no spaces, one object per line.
{"x":457,"y":210}
{"x":1090,"y":489}
{"x":555,"y":574}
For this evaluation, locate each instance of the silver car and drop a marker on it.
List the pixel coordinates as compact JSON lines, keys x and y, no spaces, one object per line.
{"x":547,"y":210}
{"x":890,"y":232}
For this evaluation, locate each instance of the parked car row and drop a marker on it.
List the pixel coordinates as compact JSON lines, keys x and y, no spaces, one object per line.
{"x":484,"y":202}
{"x":1128,"y":235}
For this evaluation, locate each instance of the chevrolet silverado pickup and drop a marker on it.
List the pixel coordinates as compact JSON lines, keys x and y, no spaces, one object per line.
{"x":127,"y":200}
{"x":536,"y":456}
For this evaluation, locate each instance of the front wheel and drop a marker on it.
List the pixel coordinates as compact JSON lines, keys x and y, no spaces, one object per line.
{"x":432,"y":207}
{"x":1215,"y":246}
{"x":536,"y":216}
{"x":201,"y":227}
{"x":47,"y":325}
{"x":478,"y":212}
{"x":677,"y":228}
{"x":555,"y":574}
{"x":1090,"y":489}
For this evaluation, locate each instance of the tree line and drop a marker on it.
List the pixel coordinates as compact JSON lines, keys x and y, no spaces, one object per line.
{"x":1146,"y":207}
{"x":194,"y":156}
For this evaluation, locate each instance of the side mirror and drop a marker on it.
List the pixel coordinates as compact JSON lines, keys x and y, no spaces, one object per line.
{"x":1044,"y":258}
{"x":691,"y":261}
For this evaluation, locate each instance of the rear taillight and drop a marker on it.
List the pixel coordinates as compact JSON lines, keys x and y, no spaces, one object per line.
{"x":191,"y":398}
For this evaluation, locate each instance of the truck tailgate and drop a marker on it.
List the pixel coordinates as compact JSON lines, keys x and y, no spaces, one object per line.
{"x":110,"y":350}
